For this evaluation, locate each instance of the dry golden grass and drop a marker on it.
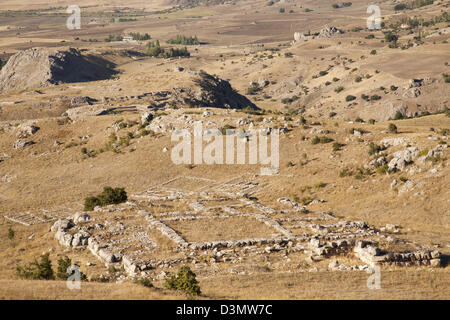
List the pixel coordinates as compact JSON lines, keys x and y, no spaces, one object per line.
{"x":57,"y":290}
{"x":215,"y":229}
{"x":330,"y":285}
{"x":395,"y":285}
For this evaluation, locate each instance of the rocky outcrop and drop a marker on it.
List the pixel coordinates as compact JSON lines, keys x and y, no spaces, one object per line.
{"x":39,"y":67}
{"x":328,"y":32}
{"x":20,"y":144}
{"x":216,"y":93}
{"x":402,"y":158}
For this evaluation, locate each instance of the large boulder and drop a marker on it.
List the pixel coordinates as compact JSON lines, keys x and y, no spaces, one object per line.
{"x":62,"y":224}
{"x":40,"y":67}
{"x":402,"y":158}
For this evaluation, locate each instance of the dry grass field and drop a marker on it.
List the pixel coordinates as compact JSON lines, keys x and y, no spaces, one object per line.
{"x":347,"y":87}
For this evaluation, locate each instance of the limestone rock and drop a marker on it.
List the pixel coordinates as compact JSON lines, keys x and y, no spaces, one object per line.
{"x":39,"y":67}
{"x":20,"y":144}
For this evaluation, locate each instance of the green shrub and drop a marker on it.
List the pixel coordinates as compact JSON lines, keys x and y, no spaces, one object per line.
{"x":392,"y":128}
{"x":337,"y":146}
{"x":375,"y":97}
{"x":321,"y":140}
{"x":37,"y":270}
{"x":184,"y":281}
{"x":400,"y":6}
{"x":382,"y":169}
{"x":91,"y":202}
{"x":339,"y":89}
{"x":108,"y":196}
{"x":358,"y":79}
{"x":11,"y":233}
{"x":350,"y":98}
{"x":446,"y":78}
{"x":391,"y":37}
{"x":289,"y":100}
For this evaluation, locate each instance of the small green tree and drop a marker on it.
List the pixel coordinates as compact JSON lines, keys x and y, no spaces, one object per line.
{"x":184,"y":281}
{"x":108,"y":196}
{"x":392,"y":128}
{"x":63,"y":265}
{"x":37,"y":270}
{"x":11,"y":233}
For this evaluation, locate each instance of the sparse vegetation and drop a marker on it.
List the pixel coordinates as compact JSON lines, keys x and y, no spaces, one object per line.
{"x":37,"y":270}
{"x":143,"y":282}
{"x":446,"y":78}
{"x":112,"y":38}
{"x":345,"y":173}
{"x":11,"y":233}
{"x":321,"y":140}
{"x":375,"y":149}
{"x":337,"y":146}
{"x":339,"y":89}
